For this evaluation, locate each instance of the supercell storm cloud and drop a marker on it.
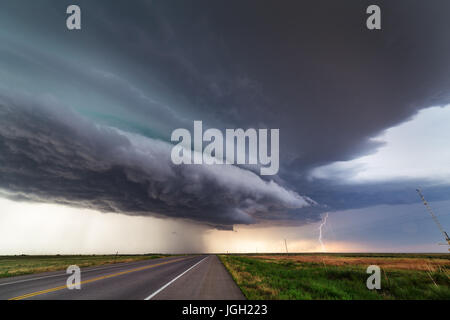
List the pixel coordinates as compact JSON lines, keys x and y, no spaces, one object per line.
{"x":49,"y":155}
{"x":86,"y":116}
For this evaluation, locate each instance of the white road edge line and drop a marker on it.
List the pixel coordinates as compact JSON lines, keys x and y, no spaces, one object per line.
{"x":173,"y":280}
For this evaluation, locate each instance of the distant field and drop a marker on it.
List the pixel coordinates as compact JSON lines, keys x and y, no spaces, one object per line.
{"x":340,"y":276}
{"x":19,"y":265}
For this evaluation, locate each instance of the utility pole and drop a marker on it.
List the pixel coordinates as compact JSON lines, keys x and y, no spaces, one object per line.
{"x":435,"y":219}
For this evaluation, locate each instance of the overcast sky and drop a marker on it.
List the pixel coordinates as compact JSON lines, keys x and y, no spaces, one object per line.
{"x":86,"y":118}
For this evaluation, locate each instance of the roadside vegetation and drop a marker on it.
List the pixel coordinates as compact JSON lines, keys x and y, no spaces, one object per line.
{"x":19,"y":265}
{"x":334,"y":276}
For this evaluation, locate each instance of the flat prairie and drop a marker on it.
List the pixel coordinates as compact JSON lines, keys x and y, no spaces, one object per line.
{"x":340,"y":276}
{"x":391,"y":263}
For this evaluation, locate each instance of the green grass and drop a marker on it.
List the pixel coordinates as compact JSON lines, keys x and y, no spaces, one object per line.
{"x":444,"y":256}
{"x":282,"y":279}
{"x":19,"y":265}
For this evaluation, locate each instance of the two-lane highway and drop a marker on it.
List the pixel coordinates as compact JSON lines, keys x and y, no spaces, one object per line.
{"x":180,"y":277}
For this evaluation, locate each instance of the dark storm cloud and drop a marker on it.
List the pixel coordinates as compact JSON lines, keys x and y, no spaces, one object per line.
{"x":51,"y":154}
{"x":310,"y":68}
{"x":340,"y":196}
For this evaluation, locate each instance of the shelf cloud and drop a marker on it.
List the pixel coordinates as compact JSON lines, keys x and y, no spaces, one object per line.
{"x":51,"y":154}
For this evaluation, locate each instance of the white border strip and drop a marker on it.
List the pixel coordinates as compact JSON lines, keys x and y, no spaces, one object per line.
{"x":173,"y":280}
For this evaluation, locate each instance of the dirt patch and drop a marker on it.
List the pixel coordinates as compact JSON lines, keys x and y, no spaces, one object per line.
{"x":386,"y":263}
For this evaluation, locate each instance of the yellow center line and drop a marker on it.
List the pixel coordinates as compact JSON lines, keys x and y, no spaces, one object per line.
{"x":28,"y":295}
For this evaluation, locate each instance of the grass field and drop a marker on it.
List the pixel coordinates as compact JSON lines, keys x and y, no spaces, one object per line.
{"x":19,"y":265}
{"x":339,"y":276}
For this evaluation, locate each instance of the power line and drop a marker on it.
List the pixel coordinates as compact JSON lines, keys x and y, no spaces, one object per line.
{"x":435,"y":219}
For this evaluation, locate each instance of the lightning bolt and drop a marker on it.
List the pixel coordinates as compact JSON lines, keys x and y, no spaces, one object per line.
{"x":324,"y":221}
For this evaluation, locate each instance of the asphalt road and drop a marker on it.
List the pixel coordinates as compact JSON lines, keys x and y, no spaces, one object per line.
{"x":183,"y":277}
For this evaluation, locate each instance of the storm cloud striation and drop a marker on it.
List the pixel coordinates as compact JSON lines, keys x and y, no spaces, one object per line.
{"x":49,"y":153}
